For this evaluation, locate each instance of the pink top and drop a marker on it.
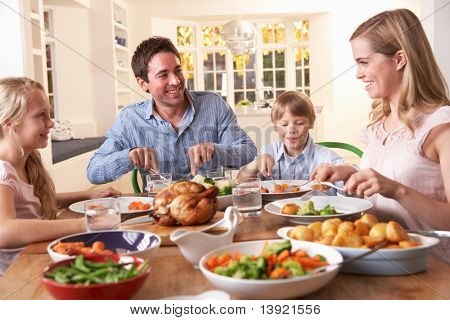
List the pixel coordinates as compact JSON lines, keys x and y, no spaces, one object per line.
{"x":399,"y":156}
{"x":28,"y":206}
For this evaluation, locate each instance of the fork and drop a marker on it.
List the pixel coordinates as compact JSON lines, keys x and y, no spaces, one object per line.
{"x":154,"y":172}
{"x":329,"y":184}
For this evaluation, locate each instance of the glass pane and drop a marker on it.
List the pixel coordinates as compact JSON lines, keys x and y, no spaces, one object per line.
{"x":209,"y":81}
{"x":207,"y":36}
{"x":46,"y":21}
{"x":190,"y":84}
{"x":238,"y":62}
{"x":267,"y":33}
{"x":238,"y":96}
{"x":250,"y":80}
{"x":250,"y":61}
{"x":268,"y":78}
{"x":50,"y":81}
{"x":267,"y":59}
{"x":279,"y":59}
{"x":298,"y":78}
{"x":220,"y":60}
{"x":307,"y":77}
{"x":279,"y":92}
{"x":185,"y":35}
{"x":238,"y":80}
{"x":251,"y":96}
{"x":208,"y":61}
{"x":279,"y":33}
{"x":48,"y":54}
{"x":307,"y":92}
{"x":306,"y":56}
{"x":52,"y":104}
{"x":218,"y":81}
{"x":301,"y":30}
{"x":298,"y":56}
{"x":280,"y":78}
{"x":187,"y":61}
{"x":217,"y":36}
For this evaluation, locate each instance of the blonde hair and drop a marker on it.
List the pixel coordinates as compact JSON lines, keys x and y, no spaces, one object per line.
{"x":14,"y":98}
{"x":297,"y":103}
{"x":423,"y":86}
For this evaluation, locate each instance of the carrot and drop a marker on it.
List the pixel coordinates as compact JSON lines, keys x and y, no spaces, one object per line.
{"x":300,"y":253}
{"x":237,"y":256}
{"x":269,"y":266}
{"x":311,"y":262}
{"x":223,"y":260}
{"x":283,"y":255}
{"x":212,"y":262}
{"x":279,"y":273}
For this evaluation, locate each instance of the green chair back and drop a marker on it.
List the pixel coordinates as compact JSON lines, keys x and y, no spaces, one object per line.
{"x":342,"y":145}
{"x":134,"y":181}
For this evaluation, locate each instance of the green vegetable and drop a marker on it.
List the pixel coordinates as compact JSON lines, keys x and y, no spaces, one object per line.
{"x":309,"y":210}
{"x":277,"y":247}
{"x":86,"y":272}
{"x":293,"y":267}
{"x":225,"y":191}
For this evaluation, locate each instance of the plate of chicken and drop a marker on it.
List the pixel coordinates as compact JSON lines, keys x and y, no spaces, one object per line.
{"x":185,"y":203}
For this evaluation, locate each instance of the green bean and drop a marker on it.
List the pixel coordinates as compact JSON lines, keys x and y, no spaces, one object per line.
{"x":79,"y":264}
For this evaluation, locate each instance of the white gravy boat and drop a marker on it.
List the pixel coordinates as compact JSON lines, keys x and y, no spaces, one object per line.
{"x":194,"y":244}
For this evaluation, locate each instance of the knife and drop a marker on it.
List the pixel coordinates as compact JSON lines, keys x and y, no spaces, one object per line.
{"x":432,"y":233}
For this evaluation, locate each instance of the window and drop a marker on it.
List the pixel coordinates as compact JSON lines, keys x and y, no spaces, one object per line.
{"x":280,"y":61}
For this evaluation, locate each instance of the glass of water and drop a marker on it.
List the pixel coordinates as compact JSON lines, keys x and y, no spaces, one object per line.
{"x":157,"y":182}
{"x":247,"y":198}
{"x":102,"y":214}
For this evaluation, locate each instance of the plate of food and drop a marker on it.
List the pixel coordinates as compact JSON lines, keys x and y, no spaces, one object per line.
{"x":403,"y":253}
{"x":318,"y":208}
{"x":128,"y":205}
{"x":272,"y":190}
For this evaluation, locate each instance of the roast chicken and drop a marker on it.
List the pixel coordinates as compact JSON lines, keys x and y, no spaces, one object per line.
{"x":185,"y":203}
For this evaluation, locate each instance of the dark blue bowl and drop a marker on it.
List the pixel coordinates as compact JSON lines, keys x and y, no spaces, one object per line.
{"x":131,"y":242}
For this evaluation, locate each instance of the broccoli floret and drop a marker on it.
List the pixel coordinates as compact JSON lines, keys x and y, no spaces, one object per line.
{"x":294,"y":267}
{"x":277,"y":247}
{"x":225,"y":191}
{"x":208,"y":181}
{"x":328,"y":210}
{"x":307,"y":209}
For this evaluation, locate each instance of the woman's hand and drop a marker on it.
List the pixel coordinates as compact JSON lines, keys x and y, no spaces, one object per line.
{"x":263,"y":163}
{"x":331,"y":173}
{"x":368,"y":182}
{"x":103,"y":192}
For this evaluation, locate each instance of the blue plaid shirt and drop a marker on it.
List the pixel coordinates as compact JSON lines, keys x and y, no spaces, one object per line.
{"x":207,"y":119}
{"x":300,"y":167}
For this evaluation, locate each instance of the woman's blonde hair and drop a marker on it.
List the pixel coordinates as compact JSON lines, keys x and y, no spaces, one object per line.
{"x":423,"y":86}
{"x":14,"y":98}
{"x":297,"y":103}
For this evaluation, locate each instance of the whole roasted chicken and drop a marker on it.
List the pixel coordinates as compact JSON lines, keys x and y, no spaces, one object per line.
{"x":186,"y":203}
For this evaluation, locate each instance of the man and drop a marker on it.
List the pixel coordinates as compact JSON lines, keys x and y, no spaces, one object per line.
{"x":175,"y":131}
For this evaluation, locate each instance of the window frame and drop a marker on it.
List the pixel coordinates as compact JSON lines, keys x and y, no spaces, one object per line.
{"x":50,"y":41}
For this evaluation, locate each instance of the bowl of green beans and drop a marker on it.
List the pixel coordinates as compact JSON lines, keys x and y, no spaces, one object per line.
{"x":96,"y":277}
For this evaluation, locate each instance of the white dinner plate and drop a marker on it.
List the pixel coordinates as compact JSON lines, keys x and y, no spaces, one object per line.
{"x":346,"y":207}
{"x":269,"y":184}
{"x":124,"y":202}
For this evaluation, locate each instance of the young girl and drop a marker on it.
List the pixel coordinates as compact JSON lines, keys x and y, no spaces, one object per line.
{"x":406,"y":166}
{"x":295,"y":155}
{"x":28,"y":202}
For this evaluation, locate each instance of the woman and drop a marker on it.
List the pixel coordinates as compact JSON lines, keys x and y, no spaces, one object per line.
{"x":406,"y":165}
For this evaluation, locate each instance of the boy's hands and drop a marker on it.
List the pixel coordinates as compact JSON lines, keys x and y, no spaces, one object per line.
{"x":263,"y":163}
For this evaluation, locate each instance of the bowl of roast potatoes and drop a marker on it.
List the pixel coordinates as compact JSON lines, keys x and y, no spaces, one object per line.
{"x":403,"y":253}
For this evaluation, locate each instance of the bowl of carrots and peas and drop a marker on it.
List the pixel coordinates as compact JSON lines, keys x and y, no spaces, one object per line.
{"x":274,"y":269}
{"x":96,"y":277}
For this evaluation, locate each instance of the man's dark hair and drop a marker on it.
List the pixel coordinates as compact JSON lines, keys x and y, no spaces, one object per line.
{"x":145,"y":52}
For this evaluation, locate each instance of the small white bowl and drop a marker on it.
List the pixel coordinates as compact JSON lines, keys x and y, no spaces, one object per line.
{"x":270,"y":288}
{"x":383,"y":262}
{"x":194,"y":244}
{"x":130,"y":242}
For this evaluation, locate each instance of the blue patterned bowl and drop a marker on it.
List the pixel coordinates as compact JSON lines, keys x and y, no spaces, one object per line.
{"x":130,"y":242}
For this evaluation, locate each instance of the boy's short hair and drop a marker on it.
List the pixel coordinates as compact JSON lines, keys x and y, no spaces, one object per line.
{"x":145,"y":52}
{"x":297,"y":103}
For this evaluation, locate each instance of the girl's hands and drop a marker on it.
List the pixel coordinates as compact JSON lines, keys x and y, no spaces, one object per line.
{"x":368,"y":182}
{"x":103,"y":192}
{"x":263,"y":163}
{"x":331,"y":173}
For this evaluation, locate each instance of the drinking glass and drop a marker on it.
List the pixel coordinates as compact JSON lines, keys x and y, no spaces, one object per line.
{"x":102,"y":214}
{"x":157,"y":182}
{"x":215,"y":174}
{"x":247,"y":198}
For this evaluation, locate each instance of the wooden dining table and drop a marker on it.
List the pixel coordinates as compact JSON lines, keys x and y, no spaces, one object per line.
{"x":172,"y":275}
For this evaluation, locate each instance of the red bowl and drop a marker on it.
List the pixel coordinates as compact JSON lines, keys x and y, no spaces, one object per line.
{"x":121,"y":290}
